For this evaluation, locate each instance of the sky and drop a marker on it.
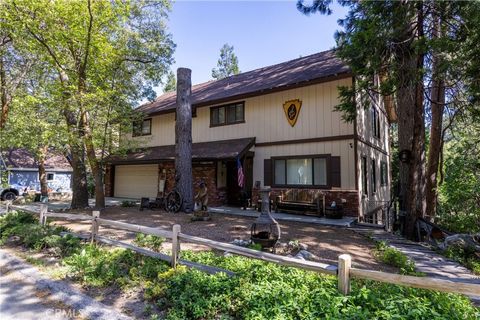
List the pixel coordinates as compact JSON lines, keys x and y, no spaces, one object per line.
{"x":262,"y":33}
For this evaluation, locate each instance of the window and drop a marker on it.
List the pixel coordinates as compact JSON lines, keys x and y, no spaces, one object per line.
{"x":50,"y":176}
{"x":227,"y":114}
{"x":373,"y":176}
{"x":142,"y":128}
{"x":383,"y":173}
{"x":364,"y":176}
{"x":375,"y":123}
{"x":300,"y":171}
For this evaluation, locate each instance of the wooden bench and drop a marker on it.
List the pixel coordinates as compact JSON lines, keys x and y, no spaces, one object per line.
{"x":300,"y":200}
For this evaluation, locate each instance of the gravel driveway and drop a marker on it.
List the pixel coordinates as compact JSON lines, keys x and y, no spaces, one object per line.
{"x":326,"y":242}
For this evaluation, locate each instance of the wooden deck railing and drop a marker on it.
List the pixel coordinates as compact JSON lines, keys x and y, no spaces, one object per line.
{"x":343,"y":271}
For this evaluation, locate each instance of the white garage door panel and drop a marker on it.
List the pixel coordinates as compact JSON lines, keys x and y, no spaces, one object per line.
{"x":136,"y":181}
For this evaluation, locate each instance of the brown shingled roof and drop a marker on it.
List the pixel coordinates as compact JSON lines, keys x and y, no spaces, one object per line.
{"x":21,"y":158}
{"x":298,"y":72}
{"x":224,"y":149}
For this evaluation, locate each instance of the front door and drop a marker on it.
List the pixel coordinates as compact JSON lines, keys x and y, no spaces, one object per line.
{"x":234,"y":191}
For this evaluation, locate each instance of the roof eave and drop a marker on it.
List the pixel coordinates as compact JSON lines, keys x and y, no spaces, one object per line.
{"x":337,"y":76}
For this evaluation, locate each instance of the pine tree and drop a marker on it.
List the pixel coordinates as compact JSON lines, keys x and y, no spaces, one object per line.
{"x":417,"y":52}
{"x":171,"y":83}
{"x":227,"y":64}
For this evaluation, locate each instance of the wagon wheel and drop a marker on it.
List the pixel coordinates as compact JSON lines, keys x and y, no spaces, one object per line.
{"x":174,"y":202}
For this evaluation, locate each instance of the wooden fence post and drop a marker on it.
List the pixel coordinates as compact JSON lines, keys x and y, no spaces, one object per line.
{"x":95,"y":214}
{"x":344,"y":265}
{"x":43,"y":211}
{"x":175,"y":245}
{"x":8,"y":205}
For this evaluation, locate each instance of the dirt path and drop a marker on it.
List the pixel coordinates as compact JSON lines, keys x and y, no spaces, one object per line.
{"x":327,"y":243}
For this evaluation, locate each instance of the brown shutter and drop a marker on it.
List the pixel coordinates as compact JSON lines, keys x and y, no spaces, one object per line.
{"x":335,"y":172}
{"x":267,"y":172}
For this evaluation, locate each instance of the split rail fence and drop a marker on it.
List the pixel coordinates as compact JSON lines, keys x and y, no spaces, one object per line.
{"x":343,"y":270}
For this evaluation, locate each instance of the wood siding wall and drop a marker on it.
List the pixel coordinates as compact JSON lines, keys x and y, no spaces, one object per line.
{"x":373,"y":148}
{"x":265,"y":119}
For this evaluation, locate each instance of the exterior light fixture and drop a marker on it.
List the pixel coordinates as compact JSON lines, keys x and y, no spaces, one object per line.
{"x":405,"y":156}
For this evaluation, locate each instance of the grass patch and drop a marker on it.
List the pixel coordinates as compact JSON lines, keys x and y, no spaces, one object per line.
{"x":260,"y":290}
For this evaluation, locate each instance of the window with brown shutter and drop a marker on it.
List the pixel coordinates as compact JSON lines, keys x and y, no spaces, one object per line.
{"x":304,"y":171}
{"x":336,"y":172}
{"x":267,"y":172}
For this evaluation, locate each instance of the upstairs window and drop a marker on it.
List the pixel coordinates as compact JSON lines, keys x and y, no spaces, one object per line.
{"x":375,"y":123}
{"x":383,"y":173}
{"x":142,"y":128}
{"x":364,"y":176}
{"x":227,"y":114}
{"x":50,"y":176}
{"x":373,"y":176}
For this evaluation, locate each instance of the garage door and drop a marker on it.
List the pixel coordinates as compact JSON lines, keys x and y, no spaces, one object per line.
{"x":136,"y":181}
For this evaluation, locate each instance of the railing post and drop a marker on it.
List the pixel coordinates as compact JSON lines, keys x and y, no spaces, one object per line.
{"x":175,"y":245}
{"x":43,"y":211}
{"x":95,"y":225}
{"x":344,"y":265}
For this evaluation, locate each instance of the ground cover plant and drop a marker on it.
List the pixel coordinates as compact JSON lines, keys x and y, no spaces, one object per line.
{"x":394,"y":257}
{"x":259,"y":290}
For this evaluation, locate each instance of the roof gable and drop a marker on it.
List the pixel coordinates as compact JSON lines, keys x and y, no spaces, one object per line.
{"x":282,"y":76}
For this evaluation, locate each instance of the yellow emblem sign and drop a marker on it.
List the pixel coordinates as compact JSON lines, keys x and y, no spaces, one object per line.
{"x":292,"y":110}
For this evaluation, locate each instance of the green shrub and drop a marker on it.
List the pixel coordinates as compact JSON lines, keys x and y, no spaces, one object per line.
{"x":35,"y":236}
{"x":255,"y":246}
{"x":393,"y":257}
{"x":149,"y":241}
{"x":465,"y":256}
{"x":13,"y":219}
{"x":263,"y":290}
{"x":98,"y":266}
{"x":128,"y":204}
{"x":62,"y":246}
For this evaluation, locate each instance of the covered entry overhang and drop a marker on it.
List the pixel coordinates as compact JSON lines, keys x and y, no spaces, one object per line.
{"x":201,"y":151}
{"x":138,"y":173}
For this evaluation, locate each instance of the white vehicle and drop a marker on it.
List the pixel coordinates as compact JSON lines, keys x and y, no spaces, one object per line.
{"x":12,"y":192}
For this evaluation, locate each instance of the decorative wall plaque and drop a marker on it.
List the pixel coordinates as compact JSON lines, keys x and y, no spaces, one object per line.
{"x":292,"y":110}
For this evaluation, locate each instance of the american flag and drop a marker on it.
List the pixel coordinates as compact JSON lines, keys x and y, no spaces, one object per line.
{"x":241,"y":176}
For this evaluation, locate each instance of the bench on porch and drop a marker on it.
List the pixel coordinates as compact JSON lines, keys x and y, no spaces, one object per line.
{"x":300,"y":200}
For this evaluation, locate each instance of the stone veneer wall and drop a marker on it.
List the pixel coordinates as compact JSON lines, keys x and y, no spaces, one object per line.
{"x":350,"y":208}
{"x":201,"y":171}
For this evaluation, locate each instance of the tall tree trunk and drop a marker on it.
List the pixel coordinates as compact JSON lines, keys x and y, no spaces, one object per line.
{"x":42,"y":174}
{"x":411,"y":135}
{"x":183,"y":138}
{"x":437,"y":98}
{"x":95,"y":165}
{"x":79,"y":177}
{"x":4,"y":99}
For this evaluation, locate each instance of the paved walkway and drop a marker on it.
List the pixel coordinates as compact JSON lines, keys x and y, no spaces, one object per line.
{"x":250,"y":212}
{"x":426,"y":260}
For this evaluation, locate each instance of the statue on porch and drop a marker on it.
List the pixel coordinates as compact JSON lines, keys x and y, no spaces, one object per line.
{"x":201,"y":198}
{"x":201,"y":202}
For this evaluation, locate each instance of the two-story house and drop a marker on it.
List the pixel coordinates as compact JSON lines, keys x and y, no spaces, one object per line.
{"x":280,"y":121}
